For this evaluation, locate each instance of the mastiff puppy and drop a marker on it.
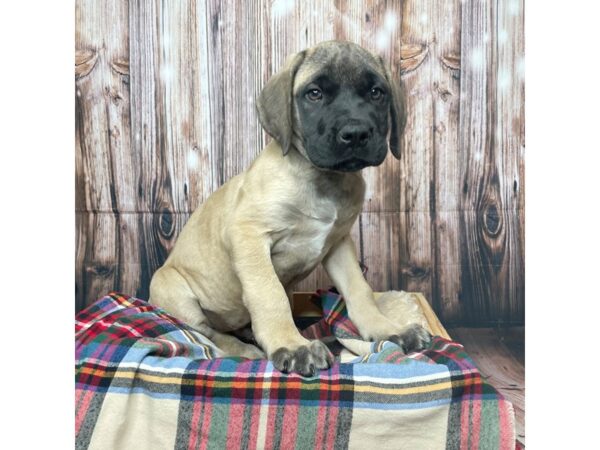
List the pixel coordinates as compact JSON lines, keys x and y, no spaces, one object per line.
{"x":331,"y":110}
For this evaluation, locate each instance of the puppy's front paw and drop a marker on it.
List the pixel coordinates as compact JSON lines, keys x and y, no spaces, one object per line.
{"x":412,"y":339}
{"x":305,"y":360}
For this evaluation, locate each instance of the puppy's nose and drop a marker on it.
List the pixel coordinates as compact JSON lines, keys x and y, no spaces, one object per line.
{"x":354,"y":135}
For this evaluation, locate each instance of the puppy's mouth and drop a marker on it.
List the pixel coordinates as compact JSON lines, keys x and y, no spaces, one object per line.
{"x":350,"y":165}
{"x":345,"y":160}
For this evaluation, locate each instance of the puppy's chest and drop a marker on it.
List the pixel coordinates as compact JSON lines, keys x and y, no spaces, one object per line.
{"x":305,"y":240}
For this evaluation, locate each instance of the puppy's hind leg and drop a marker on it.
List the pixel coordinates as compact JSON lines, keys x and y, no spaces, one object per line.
{"x":170,"y":291}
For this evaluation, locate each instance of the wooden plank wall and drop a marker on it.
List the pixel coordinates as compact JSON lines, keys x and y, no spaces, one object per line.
{"x":165,"y":114}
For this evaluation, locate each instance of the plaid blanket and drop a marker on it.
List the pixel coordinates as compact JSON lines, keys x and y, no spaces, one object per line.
{"x":145,"y":380}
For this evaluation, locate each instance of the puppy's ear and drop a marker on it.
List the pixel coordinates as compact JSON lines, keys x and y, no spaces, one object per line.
{"x":397,"y":110}
{"x":275,"y":102}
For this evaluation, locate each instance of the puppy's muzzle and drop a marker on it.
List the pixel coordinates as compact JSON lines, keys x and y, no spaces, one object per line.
{"x":354,"y":135}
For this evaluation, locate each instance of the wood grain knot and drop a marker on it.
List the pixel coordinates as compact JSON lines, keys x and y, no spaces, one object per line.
{"x":416,"y":272}
{"x":100,"y":270}
{"x":451,"y":61}
{"x":442,"y":91}
{"x":411,"y":56}
{"x":114,"y":95}
{"x":166,"y":226}
{"x":492,"y":220}
{"x":85,"y":61}
{"x":121,"y":67}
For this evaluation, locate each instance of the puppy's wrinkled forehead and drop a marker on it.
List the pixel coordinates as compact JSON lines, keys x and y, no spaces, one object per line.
{"x":344,"y":63}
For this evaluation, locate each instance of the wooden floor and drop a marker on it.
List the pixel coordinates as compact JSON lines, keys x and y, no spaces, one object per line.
{"x":500,"y":356}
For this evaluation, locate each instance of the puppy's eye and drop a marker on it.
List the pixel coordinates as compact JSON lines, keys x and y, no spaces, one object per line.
{"x":376,"y":93}
{"x":314,"y":95}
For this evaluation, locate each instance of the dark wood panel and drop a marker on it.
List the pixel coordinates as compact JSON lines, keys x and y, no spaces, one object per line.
{"x":446,"y":287}
{"x":111,"y":253}
{"x":445,"y":184}
{"x":237,"y":64}
{"x":154,"y":189}
{"x":413,"y":230}
{"x":105,"y":167}
{"x":97,"y":271}
{"x":490,"y":223}
{"x":510,"y":135}
{"x":381,"y":250}
{"x":81,"y":237}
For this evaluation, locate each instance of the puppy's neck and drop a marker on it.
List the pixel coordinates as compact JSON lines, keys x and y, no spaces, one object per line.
{"x":347,"y":188}
{"x":299,"y":164}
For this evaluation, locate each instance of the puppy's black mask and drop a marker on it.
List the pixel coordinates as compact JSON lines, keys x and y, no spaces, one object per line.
{"x":344,"y":119}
